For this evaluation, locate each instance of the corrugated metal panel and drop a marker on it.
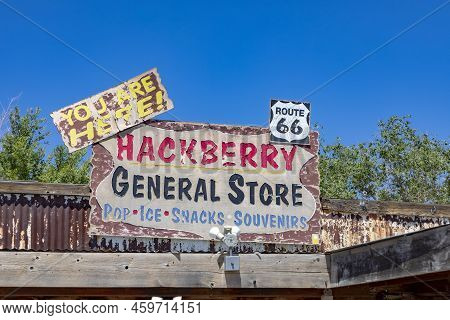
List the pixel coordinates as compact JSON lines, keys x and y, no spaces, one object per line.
{"x":345,"y":230}
{"x":60,"y":223}
{"x":44,"y":223}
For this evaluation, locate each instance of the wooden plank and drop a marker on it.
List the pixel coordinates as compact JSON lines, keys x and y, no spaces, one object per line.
{"x":145,"y":293}
{"x":31,"y":187}
{"x":385,"y":208}
{"x":105,"y":270}
{"x":410,"y":255}
{"x":430,"y":286}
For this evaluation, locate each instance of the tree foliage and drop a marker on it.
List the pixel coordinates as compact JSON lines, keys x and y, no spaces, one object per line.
{"x":65,"y":167}
{"x":22,"y":153}
{"x":399,"y":165}
{"x":22,"y":147}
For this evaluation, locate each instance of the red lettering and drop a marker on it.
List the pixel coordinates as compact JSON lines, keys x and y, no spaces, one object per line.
{"x":289,"y":157}
{"x":248,"y":156}
{"x":167,"y":142}
{"x":268,"y":157}
{"x":189,"y":150}
{"x":182,"y":148}
{"x":147,"y":142}
{"x":208,"y":152}
{"x":128,"y":147}
{"x":226,"y":153}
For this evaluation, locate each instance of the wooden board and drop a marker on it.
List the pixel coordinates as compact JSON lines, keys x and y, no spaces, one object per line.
{"x":107,"y":270}
{"x":416,"y":262}
{"x":410,"y":255}
{"x":385,"y":207}
{"x":146,"y":293}
{"x":103,"y":115}
{"x":32,"y":187}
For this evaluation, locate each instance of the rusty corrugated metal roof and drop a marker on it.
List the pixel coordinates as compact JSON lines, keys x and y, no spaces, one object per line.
{"x":58,"y":222}
{"x":34,"y":222}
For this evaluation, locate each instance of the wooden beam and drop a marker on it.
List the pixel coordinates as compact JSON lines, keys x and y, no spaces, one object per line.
{"x":385,"y":208}
{"x":107,"y":270}
{"x":431,"y":285}
{"x":328,"y":205}
{"x":186,"y":293}
{"x":410,"y":255}
{"x":31,"y":187}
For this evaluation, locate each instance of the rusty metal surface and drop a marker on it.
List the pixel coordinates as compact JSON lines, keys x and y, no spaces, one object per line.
{"x":45,"y":223}
{"x":345,"y":230}
{"x":129,"y":244}
{"x":60,"y":223}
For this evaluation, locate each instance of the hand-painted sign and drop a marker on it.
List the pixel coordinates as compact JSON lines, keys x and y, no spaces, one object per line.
{"x":289,"y":122}
{"x":114,"y":110}
{"x":177,"y":180}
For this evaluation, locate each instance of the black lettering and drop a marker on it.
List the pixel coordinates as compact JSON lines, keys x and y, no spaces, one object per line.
{"x":234,"y":181}
{"x":214,"y":197}
{"x":168,"y":188}
{"x":124,"y":173}
{"x":200,"y":190}
{"x":296,"y":194}
{"x":154,"y":186}
{"x":265,"y":201}
{"x":252,"y":185}
{"x":184,"y":189}
{"x":137,"y":186}
{"x":281,"y":194}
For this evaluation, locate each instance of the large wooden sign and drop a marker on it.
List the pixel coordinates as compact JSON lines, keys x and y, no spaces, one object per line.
{"x":114,"y":110}
{"x":177,"y":180}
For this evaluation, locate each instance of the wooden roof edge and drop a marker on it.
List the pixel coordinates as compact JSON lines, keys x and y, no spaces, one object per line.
{"x":413,"y":254}
{"x":34,"y":187}
{"x":361,"y":207}
{"x":393,"y":239}
{"x":334,"y":206}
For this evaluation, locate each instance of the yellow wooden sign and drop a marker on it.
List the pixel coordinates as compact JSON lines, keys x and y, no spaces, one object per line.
{"x":114,"y":110}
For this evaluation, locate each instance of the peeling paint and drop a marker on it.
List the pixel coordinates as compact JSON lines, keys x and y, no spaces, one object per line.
{"x":103,"y":164}
{"x":59,"y":223}
{"x":345,"y":230}
{"x":101,"y":116}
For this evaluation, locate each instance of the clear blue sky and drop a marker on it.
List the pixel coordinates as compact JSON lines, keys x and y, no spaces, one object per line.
{"x":221,"y":62}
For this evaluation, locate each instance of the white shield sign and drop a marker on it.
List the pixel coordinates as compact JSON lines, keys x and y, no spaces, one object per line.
{"x":289,"y":122}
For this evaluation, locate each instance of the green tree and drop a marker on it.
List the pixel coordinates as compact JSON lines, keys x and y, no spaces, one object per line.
{"x":399,"y":165}
{"x":348,"y":172}
{"x":412,"y":166}
{"x":22,"y":155}
{"x":65,"y":167}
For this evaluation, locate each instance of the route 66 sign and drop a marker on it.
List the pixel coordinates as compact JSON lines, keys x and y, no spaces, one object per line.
{"x":289,"y":122}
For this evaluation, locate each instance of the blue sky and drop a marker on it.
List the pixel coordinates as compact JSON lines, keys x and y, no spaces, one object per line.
{"x":222,"y":62}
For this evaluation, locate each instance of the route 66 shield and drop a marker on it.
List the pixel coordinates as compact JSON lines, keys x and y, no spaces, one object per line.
{"x":289,"y":122}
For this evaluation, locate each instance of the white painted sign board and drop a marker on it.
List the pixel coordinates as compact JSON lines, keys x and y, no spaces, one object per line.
{"x":178,"y":180}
